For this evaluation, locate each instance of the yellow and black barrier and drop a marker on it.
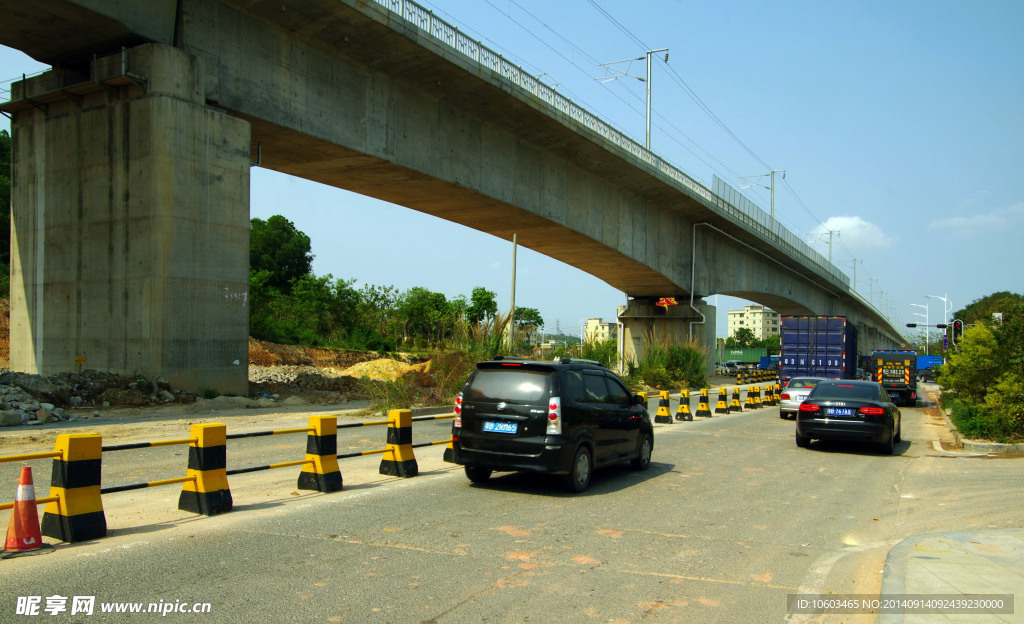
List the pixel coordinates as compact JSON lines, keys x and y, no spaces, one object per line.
{"x":735,"y":406}
{"x":77,"y":514}
{"x":722,"y":407}
{"x":321,"y":473}
{"x":703,"y":409}
{"x":74,"y":510}
{"x":755,"y":391}
{"x":683,"y":412}
{"x":663,"y":415}
{"x":399,"y":459}
{"x":205,"y":489}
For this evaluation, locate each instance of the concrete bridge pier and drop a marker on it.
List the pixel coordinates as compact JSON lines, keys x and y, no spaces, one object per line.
{"x":645,"y":324}
{"x":130,"y":223}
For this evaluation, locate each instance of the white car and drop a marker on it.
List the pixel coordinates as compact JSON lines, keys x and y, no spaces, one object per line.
{"x":794,"y":394}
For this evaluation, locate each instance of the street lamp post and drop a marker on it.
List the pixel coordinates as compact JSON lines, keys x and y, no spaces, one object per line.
{"x":947,"y":307}
{"x":927,"y":339}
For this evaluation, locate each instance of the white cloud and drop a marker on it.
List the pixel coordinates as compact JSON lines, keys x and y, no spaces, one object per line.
{"x":855,"y":233}
{"x":975,"y":224}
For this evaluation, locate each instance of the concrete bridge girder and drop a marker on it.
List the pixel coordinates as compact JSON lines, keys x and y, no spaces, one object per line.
{"x":344,"y":93}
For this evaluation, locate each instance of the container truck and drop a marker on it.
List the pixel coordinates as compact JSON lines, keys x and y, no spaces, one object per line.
{"x":896,"y":370}
{"x":817,"y":346}
{"x":928,"y":367}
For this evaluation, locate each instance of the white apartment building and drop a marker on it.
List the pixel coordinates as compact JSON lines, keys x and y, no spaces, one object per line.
{"x":758,"y":319}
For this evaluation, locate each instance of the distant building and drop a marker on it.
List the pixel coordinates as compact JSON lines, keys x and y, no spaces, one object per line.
{"x":598,"y":331}
{"x":762,"y":321}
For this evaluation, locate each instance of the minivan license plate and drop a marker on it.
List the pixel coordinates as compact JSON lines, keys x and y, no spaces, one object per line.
{"x":838,"y":411}
{"x":498,"y":426}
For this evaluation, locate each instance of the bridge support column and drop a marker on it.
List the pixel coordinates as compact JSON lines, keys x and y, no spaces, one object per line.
{"x":645,"y":324}
{"x":130,"y":224}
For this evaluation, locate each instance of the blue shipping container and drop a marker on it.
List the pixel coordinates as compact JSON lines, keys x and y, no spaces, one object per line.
{"x":817,"y":346}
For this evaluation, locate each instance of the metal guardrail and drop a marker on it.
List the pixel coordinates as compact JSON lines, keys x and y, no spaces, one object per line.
{"x":443,"y":32}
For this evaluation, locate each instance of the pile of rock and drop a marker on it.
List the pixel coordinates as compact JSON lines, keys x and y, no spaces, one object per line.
{"x":36,"y":399}
{"x":289,"y":380}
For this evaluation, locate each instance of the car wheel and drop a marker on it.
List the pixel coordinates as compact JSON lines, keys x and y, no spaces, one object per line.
{"x":578,"y":478}
{"x":899,"y":429}
{"x":643,"y":458}
{"x":478,"y":474}
{"x":887,"y":448}
{"x":803,"y":442}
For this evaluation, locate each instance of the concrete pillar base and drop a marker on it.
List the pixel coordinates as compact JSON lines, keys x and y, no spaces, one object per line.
{"x":644,"y":324}
{"x":130,"y":225}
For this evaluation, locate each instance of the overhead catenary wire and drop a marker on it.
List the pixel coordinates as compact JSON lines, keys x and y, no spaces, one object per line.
{"x":672,"y":132}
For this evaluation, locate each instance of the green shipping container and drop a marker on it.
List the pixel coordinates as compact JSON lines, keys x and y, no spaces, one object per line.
{"x":749,"y":356}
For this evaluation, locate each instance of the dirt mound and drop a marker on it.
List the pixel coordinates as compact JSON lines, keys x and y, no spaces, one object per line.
{"x":271,"y":354}
{"x":385,"y":369}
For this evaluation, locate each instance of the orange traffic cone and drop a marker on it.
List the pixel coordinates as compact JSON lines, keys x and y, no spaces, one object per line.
{"x":23,"y":534}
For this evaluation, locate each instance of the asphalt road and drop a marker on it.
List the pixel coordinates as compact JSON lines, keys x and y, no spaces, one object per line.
{"x":730,"y":519}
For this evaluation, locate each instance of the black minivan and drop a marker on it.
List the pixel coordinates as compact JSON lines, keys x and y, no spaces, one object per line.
{"x":564,"y":417}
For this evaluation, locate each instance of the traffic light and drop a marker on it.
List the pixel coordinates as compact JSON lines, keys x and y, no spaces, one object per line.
{"x":911,"y":324}
{"x":957,"y":331}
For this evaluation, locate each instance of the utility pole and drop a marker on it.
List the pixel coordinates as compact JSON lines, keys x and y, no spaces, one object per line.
{"x":512,"y":321}
{"x":649,"y":53}
{"x":647,"y":56}
{"x":770,"y":188}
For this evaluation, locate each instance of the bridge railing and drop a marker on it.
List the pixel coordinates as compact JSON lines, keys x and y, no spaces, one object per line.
{"x":449,"y":35}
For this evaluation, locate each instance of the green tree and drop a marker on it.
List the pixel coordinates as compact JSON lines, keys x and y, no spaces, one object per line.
{"x":423,"y":313}
{"x":378,"y":311}
{"x":744,"y":338}
{"x":482,"y":305}
{"x":528,"y":318}
{"x":276,"y":246}
{"x":971,"y":372}
{"x":981,"y":310}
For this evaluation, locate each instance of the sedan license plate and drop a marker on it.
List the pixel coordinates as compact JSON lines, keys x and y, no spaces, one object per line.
{"x":498,"y":426}
{"x":838,"y":411}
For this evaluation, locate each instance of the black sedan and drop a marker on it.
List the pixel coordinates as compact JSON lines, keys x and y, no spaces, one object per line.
{"x":849,"y":410}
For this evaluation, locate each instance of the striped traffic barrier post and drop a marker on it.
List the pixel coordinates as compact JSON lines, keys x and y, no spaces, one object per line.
{"x":703,"y":409}
{"x":722,"y":407}
{"x":683,"y":412}
{"x":735,"y":405}
{"x":399,"y":459}
{"x":663,"y":415}
{"x":206,"y":490}
{"x":756,"y":391}
{"x":322,"y":473}
{"x":77,"y":514}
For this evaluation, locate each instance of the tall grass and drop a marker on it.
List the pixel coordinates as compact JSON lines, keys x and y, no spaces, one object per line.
{"x":471,"y":342}
{"x":666,"y":363}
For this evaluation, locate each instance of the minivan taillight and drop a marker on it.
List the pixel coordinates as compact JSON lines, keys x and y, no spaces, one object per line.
{"x":554,"y":416}
{"x":458,"y":411}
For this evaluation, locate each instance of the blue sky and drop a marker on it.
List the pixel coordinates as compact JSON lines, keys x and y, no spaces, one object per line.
{"x":900,"y":125}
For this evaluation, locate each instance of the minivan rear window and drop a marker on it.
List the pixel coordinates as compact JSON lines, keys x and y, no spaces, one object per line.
{"x":516,"y":386}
